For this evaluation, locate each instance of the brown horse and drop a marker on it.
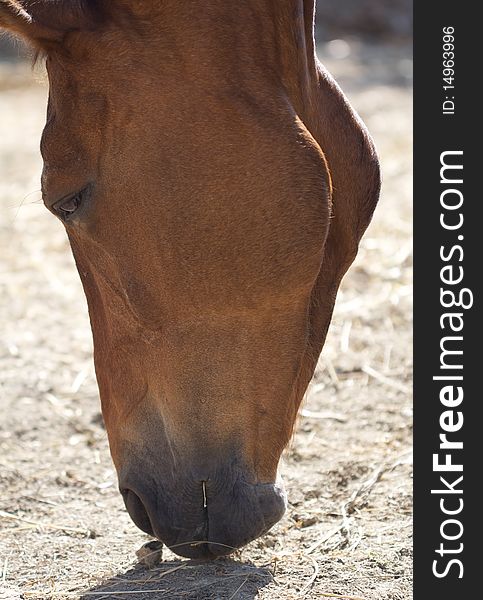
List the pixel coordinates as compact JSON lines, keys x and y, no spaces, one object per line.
{"x":214,"y":184}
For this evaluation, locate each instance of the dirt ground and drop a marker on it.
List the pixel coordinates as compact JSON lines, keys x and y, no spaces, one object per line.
{"x":64,"y":532}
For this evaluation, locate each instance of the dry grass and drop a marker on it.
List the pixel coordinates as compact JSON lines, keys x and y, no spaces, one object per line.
{"x":347,"y":533}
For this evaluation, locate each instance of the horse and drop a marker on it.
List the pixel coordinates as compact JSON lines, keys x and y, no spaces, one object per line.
{"x":214,"y":183}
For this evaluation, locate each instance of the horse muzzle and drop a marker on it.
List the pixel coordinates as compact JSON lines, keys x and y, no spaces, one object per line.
{"x":204,"y":517}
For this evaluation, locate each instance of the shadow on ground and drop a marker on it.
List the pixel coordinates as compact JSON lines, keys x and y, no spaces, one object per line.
{"x":222,"y":578}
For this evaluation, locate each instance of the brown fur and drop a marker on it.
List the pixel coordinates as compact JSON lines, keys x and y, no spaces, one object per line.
{"x":229,"y":185}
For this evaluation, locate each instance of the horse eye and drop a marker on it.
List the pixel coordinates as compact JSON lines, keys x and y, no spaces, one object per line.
{"x":66,"y":208}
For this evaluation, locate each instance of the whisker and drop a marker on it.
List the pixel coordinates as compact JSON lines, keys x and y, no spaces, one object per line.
{"x":199,"y":542}
{"x":23,"y":203}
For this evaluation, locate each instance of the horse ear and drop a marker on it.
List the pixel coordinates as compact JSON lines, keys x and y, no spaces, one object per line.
{"x":14,"y":18}
{"x":44,"y":22}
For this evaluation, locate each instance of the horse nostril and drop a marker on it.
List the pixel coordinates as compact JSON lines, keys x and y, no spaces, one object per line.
{"x":136,"y":510}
